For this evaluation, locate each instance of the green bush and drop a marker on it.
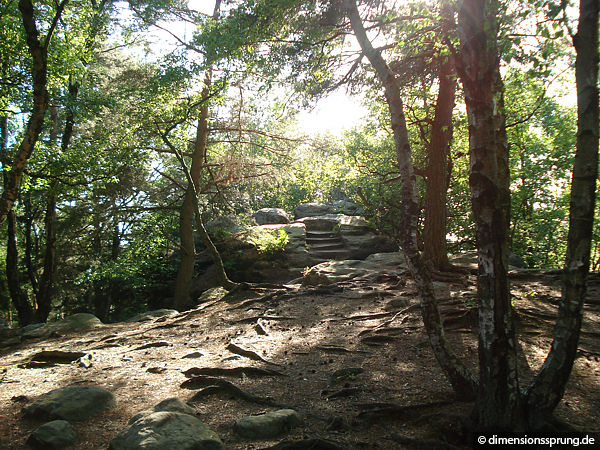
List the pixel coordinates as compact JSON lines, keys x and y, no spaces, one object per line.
{"x":270,"y":242}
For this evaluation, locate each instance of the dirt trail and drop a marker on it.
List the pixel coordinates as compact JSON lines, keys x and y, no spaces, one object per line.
{"x":352,"y":357}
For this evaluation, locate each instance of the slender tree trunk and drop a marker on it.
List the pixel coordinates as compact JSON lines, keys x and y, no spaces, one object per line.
{"x":458,"y":374}
{"x":499,"y":402}
{"x":24,"y":310}
{"x":189,"y":208}
{"x":186,"y":215}
{"x":549,"y":385}
{"x":29,"y":244}
{"x":18,"y":297}
{"x":435,"y":248}
{"x":44,"y":297}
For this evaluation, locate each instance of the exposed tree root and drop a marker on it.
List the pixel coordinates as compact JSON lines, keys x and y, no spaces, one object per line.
{"x":256,"y":318}
{"x":235,"y":371}
{"x":361,"y":317}
{"x":214,"y":385}
{"x":375,"y":410}
{"x":431,"y":444}
{"x":233,"y":348}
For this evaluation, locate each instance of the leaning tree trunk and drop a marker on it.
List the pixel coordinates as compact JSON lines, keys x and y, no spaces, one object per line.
{"x":189,"y":208}
{"x":499,"y":404}
{"x":463,"y":382}
{"x":39,"y":71}
{"x":549,"y":385}
{"x":186,"y":215}
{"x":435,"y":249}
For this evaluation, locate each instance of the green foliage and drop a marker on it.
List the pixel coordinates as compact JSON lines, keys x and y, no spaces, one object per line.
{"x":269,"y":242}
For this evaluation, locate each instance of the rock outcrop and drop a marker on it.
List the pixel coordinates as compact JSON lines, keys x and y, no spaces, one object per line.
{"x":271,"y":216}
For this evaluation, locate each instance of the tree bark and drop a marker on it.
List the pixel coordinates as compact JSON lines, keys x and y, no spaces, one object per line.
{"x":39,"y":71}
{"x":44,"y":297}
{"x":435,"y":249}
{"x":189,"y":208}
{"x":20,"y":301}
{"x":499,"y":404}
{"x":462,"y":380}
{"x":549,"y":385}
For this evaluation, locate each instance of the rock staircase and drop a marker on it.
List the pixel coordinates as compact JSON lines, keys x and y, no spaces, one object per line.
{"x":326,"y":245}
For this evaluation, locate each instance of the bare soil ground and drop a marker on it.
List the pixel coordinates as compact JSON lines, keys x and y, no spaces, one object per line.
{"x":311,"y":333}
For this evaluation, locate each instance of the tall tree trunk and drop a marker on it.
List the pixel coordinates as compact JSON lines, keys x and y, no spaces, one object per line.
{"x":186,"y":215}
{"x":189,"y":208}
{"x":458,"y":374}
{"x":435,"y":249}
{"x":19,"y":299}
{"x":499,"y":404}
{"x":44,"y":297}
{"x":39,"y":71}
{"x":549,"y":385}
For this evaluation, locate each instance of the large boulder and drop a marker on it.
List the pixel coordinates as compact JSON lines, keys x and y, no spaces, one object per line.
{"x":340,"y":206}
{"x":167,"y":430}
{"x":361,"y":246}
{"x":271,"y":216}
{"x":222,"y":226}
{"x":73,"y":403}
{"x":172,"y":404}
{"x":312,"y":209}
{"x":348,"y":207}
{"x":76,"y":322}
{"x":337,"y":222}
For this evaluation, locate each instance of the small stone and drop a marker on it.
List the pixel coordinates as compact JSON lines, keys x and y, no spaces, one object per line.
{"x":57,"y":434}
{"x":267,"y":425}
{"x":397,"y":303}
{"x":193,"y":355}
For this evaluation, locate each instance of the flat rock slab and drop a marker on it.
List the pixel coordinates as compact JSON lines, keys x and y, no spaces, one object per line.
{"x":267,"y":425}
{"x":167,"y":431}
{"x":51,"y":357}
{"x":152,"y":315}
{"x":73,"y":403}
{"x":57,"y":434}
{"x":76,"y":322}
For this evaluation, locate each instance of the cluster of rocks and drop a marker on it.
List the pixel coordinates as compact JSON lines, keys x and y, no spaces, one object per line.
{"x":59,"y":407}
{"x":317,"y":232}
{"x":171,"y":424}
{"x":76,"y":322}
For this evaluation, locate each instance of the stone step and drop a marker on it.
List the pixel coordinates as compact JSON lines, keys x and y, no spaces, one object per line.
{"x":326,"y":246}
{"x":338,"y":254}
{"x":321,"y":233}
{"x":324,"y":238}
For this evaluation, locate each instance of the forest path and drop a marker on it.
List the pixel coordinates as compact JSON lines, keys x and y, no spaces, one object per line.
{"x":352,"y":357}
